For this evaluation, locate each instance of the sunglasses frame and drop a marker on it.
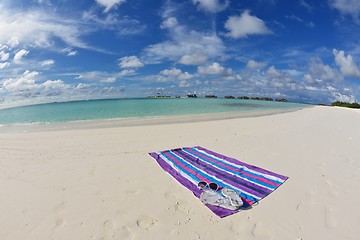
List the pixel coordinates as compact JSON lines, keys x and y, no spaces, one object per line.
{"x":213,"y":186}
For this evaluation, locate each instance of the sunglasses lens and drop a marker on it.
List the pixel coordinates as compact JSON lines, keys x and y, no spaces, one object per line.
{"x":202,"y":185}
{"x":213,"y":186}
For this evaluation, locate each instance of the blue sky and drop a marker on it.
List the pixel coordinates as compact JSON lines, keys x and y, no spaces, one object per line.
{"x":61,"y":50}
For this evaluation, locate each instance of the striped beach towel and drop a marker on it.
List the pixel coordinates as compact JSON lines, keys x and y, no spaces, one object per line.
{"x":190,"y":165}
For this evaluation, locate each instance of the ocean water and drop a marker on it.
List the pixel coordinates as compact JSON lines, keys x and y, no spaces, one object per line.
{"x":132,"y":108}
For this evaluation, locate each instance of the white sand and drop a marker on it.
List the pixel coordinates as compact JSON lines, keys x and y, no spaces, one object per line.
{"x":102,"y":184}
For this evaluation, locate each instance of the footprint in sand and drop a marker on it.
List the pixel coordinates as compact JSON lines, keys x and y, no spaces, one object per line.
{"x":322,"y":166}
{"x":332,"y":188}
{"x":146,"y":222}
{"x":170,"y":195}
{"x":92,"y":172}
{"x":237,"y":226}
{"x":125,"y":233}
{"x":133,"y":192}
{"x":180,"y":207}
{"x":298,"y":207}
{"x":59,"y":222}
{"x":60,"y":207}
{"x":260,"y":231}
{"x":112,"y":232}
{"x":330,"y":219}
{"x":109,"y":225}
{"x":58,"y":210}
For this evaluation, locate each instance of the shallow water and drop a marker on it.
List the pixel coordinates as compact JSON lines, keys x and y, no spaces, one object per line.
{"x":133,"y":108}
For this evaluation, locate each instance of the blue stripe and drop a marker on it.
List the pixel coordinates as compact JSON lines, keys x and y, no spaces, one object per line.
{"x":237,"y":173}
{"x":245,"y":196}
{"x":225,"y":176}
{"x":258,"y":174}
{"x":179,"y":167}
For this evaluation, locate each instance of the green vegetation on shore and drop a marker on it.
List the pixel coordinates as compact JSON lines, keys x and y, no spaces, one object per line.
{"x":346,"y":104}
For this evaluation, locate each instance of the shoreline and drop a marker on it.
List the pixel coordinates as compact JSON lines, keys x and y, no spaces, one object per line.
{"x":141,"y":121}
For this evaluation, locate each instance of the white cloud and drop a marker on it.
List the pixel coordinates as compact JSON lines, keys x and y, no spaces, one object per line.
{"x":347,"y":7}
{"x":48,"y":62}
{"x":127,"y":72}
{"x":13,"y":42}
{"x":272,"y":72}
{"x":308,"y":78}
{"x":53,"y":88}
{"x":38,"y":28}
{"x":194,"y":59}
{"x":130,"y":62}
{"x":293,"y":17}
{"x":318,"y":70}
{"x":245,"y":25}
{"x":70,"y":52}
{"x":3,"y":47}
{"x":108,"y":4}
{"x":233,"y":77}
{"x":169,"y":23}
{"x":346,"y":63}
{"x":293,"y":72}
{"x":306,"y":5}
{"x":4,"y":56}
{"x":174,"y":74}
{"x":214,"y":69}
{"x":97,"y":77}
{"x":310,"y":24}
{"x":185,"y":44}
{"x":4,"y":65}
{"x":42,"y":1}
{"x":123,"y":26}
{"x":24,"y":82}
{"x":212,"y":6}
{"x":300,"y":20}
{"x":171,"y":72}
{"x":20,"y":54}
{"x":343,"y":97}
{"x":82,"y":86}
{"x":55,"y":85}
{"x":184,"y":83}
{"x":109,"y":80}
{"x":252,"y":64}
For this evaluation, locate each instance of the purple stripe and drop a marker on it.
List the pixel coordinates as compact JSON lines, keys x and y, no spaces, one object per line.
{"x":251,"y":176}
{"x":221,"y":212}
{"x":224,"y":176}
{"x":235,"y":161}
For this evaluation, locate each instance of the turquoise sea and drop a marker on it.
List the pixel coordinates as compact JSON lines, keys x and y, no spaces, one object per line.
{"x":133,"y":108}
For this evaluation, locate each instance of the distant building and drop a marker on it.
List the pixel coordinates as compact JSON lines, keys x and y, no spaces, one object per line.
{"x":229,"y":97}
{"x":266,"y":99}
{"x":281,"y":100}
{"x":243,"y":97}
{"x":159,"y":96}
{"x":192,"y":95}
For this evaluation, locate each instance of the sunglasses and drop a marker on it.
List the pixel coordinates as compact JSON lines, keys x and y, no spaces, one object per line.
{"x":212,"y":186}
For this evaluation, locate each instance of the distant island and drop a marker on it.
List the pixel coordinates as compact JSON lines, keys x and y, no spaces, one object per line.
{"x":346,"y":104}
{"x":159,"y":96}
{"x":193,"y":95}
{"x":262,"y":98}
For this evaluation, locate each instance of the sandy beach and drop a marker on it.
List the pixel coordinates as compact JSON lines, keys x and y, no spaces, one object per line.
{"x":100,"y":183}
